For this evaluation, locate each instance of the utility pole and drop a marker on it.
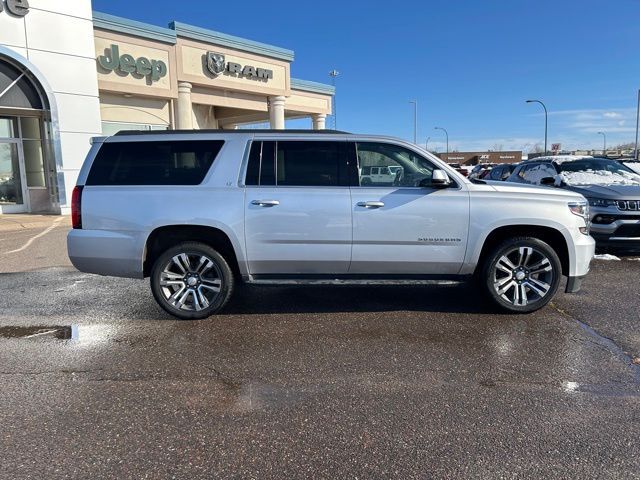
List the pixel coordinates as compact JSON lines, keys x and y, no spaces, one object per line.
{"x":333,"y":74}
{"x":415,"y":121}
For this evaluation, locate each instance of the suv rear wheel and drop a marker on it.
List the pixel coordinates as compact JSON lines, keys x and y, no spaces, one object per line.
{"x":522,"y":274}
{"x":191,"y":281}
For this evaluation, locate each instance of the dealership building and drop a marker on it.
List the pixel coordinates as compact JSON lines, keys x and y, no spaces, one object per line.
{"x":68,"y":74}
{"x":474,"y":158}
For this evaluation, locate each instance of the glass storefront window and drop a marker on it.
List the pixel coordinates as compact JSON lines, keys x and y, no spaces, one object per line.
{"x":111,"y":128}
{"x":7,"y":129}
{"x":30,"y":127}
{"x":10,"y":184}
{"x":33,"y":163}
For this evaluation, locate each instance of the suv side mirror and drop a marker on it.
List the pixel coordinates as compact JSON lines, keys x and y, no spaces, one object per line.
{"x":439,"y":179}
{"x":549,"y":181}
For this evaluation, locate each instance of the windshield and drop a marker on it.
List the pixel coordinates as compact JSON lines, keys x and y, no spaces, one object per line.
{"x":595,"y":171}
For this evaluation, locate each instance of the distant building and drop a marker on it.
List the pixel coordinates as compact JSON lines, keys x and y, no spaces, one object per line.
{"x":474,"y":158}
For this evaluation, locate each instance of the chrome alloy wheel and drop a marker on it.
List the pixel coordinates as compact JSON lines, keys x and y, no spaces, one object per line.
{"x":190,"y":282}
{"x":523,"y":275}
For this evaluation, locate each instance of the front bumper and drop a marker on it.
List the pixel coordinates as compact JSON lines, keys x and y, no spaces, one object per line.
{"x":621,"y":231}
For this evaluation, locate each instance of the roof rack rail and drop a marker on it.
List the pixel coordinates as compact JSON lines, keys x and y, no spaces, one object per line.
{"x":257,"y":130}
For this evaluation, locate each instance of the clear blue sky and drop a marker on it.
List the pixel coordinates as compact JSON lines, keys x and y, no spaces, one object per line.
{"x":470,"y":64}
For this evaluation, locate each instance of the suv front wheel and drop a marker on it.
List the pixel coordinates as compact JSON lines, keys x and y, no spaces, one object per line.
{"x":522,"y":274}
{"x":191,"y":281}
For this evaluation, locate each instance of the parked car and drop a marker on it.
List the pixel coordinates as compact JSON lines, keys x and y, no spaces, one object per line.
{"x":499,"y":172}
{"x":197,"y":210}
{"x":613,"y":191}
{"x":479,"y":169}
{"x":460,"y":169}
{"x":378,"y":175}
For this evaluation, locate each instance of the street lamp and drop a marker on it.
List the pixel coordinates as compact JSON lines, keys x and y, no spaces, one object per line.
{"x":446,"y":133}
{"x":545,"y":122}
{"x":604,"y":146}
{"x":635,"y":153}
{"x":415,"y":120}
{"x":333,"y":74}
{"x":426,"y":144}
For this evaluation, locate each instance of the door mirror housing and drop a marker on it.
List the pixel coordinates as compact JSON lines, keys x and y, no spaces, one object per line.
{"x":548,"y":181}
{"x":439,"y":179}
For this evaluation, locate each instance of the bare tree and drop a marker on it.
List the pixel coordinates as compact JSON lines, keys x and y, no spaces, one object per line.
{"x":497,"y":147}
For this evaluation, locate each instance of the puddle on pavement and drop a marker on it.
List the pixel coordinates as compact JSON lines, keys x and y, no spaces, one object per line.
{"x":58,"y":332}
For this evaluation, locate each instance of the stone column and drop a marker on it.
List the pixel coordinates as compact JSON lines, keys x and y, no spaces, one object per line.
{"x":276,"y":112}
{"x":185,"y":107}
{"x":318,"y":120}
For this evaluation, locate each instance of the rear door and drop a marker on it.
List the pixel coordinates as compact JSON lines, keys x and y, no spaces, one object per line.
{"x":403,"y":229}
{"x":298,"y":207}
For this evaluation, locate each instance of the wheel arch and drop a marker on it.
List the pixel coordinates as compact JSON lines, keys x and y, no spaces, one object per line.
{"x":166,"y":236}
{"x":550,"y":235}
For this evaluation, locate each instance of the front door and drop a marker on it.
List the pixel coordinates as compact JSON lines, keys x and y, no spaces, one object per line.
{"x":297,"y":208}
{"x":405,"y":229}
{"x":13,"y":192}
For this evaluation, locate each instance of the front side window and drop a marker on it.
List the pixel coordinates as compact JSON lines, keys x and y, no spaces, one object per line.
{"x":535,"y":173}
{"x":298,"y":163}
{"x":153,"y":162}
{"x":385,"y":165}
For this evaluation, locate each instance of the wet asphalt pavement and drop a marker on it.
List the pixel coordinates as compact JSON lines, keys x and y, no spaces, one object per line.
{"x":322,"y":382}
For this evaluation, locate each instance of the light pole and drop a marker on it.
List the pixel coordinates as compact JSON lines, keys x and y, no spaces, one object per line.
{"x":604,"y":145}
{"x":415,"y":121}
{"x":635,"y":153}
{"x":446,"y":133}
{"x":333,"y":74}
{"x":426,"y":144}
{"x":545,"y":121}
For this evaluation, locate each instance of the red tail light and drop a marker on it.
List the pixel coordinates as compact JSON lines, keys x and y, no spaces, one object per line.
{"x":76,"y":207}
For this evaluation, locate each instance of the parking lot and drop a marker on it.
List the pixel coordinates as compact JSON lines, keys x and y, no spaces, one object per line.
{"x":407,"y":382}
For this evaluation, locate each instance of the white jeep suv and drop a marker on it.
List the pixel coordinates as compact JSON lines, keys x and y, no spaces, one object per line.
{"x":198,"y":211}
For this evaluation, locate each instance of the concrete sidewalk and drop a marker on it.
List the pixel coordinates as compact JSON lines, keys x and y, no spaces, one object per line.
{"x":20,"y":222}
{"x":31,"y":242}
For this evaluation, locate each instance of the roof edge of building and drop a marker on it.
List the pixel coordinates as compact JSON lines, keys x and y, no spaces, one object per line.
{"x":238,"y":43}
{"x":113,"y":23}
{"x":314,"y":87}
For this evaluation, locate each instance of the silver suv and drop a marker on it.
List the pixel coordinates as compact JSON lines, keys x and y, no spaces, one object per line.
{"x":198,"y":211}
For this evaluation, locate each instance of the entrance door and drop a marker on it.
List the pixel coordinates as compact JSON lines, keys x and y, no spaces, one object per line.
{"x":13,"y":192}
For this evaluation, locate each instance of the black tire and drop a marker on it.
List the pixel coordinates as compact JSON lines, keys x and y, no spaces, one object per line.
{"x":165,"y":269}
{"x":527,"y":289}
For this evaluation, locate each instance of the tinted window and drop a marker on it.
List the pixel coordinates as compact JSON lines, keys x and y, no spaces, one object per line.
{"x":153,"y":163}
{"x":298,"y":163}
{"x":261,"y":169}
{"x":385,"y":164}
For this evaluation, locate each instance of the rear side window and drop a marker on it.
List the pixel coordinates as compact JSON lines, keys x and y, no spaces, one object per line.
{"x":299,"y":163}
{"x":153,"y":163}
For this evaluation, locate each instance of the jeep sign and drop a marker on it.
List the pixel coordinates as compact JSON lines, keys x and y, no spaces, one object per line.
{"x":142,"y":66}
{"x":19,"y":8}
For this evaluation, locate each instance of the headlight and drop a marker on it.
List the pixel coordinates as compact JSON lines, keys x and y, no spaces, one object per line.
{"x":581,"y":209}
{"x":601,"y":202}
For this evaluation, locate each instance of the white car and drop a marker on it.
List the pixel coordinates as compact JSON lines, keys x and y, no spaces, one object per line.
{"x":197,"y":211}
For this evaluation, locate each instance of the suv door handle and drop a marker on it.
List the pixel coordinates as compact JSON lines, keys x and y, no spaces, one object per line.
{"x":370,"y":204}
{"x":265,"y":203}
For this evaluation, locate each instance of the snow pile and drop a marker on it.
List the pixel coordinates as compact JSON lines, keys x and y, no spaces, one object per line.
{"x":600,"y":177}
{"x":606,"y":256}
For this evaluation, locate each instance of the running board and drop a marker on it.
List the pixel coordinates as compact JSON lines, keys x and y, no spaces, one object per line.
{"x":355,"y":280}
